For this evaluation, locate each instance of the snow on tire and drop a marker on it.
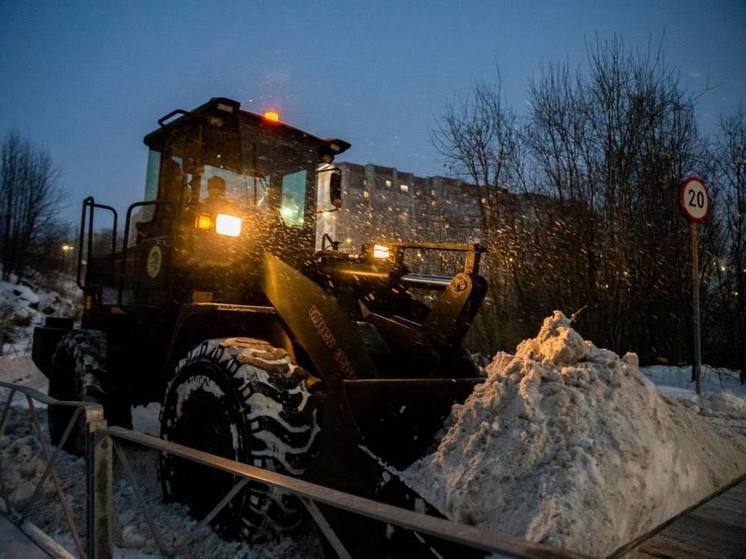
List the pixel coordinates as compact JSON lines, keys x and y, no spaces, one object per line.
{"x":242,"y":399}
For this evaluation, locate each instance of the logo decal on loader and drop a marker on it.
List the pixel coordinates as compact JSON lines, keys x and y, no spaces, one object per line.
{"x":155,"y":258}
{"x":338,"y":354}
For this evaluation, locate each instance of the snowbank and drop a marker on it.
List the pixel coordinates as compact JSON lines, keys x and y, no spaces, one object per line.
{"x":569,"y":444}
{"x":26,"y":305}
{"x":713,"y":379}
{"x":723,"y":398}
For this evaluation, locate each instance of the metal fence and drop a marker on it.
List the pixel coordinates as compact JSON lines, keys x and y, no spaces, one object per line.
{"x":103,"y":441}
{"x":93,"y":416}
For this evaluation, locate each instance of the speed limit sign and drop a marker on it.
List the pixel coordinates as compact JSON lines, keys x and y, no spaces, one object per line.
{"x":694,"y":199}
{"x":695,"y":203}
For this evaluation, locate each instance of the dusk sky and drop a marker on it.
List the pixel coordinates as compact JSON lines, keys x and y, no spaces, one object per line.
{"x":89,"y":80}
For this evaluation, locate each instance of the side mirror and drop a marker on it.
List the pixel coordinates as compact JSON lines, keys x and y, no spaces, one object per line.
{"x":335,"y":188}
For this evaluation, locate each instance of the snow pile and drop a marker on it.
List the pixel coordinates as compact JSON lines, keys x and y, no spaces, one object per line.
{"x":26,"y":304}
{"x":569,"y":444}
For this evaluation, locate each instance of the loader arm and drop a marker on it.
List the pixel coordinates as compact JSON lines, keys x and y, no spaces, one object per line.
{"x":453,"y":312}
{"x":321,"y":327}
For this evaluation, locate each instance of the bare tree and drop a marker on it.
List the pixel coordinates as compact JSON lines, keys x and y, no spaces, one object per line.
{"x":478,"y":140}
{"x":30,"y":197}
{"x":617,"y":139}
{"x":727,"y":317}
{"x":579,"y":204}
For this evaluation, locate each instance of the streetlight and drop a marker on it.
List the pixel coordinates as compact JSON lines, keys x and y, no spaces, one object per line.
{"x":66,"y":253}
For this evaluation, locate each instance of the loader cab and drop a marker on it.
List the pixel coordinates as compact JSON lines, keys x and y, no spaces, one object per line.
{"x":223,"y":186}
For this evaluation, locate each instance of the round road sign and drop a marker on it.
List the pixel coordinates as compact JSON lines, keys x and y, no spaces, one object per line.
{"x":694,"y":199}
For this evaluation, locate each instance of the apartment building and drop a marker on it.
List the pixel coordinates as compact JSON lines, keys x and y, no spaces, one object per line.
{"x":386,"y":204}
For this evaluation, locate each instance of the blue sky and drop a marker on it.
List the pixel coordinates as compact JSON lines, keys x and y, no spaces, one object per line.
{"x":88,"y":80}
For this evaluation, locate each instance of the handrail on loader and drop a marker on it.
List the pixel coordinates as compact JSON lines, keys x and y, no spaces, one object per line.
{"x":90,"y":204}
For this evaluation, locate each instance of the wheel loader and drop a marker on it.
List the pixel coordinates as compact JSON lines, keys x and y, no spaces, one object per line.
{"x":214,"y":302}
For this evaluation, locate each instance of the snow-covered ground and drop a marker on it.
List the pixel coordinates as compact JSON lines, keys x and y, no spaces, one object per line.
{"x":713,"y":379}
{"x":723,"y":398}
{"x":569,"y":444}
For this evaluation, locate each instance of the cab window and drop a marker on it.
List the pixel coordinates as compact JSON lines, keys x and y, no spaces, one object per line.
{"x":293,"y":200}
{"x":151,"y":184}
{"x":242,"y":190}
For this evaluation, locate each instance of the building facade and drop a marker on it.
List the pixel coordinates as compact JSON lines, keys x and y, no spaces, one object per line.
{"x":382,"y":204}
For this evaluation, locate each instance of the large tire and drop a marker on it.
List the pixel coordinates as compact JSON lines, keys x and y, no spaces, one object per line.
{"x":242,"y":399}
{"x":79,"y":373}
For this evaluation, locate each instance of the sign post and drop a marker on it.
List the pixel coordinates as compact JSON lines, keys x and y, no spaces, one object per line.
{"x":695,"y":203}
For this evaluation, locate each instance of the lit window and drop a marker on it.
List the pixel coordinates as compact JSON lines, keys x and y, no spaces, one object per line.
{"x":388,"y":183}
{"x":404,"y":187}
{"x":366,"y":194}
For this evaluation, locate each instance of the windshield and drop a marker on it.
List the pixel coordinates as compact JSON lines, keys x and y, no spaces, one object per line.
{"x":241,"y":192}
{"x":256,"y":168}
{"x":245,"y":190}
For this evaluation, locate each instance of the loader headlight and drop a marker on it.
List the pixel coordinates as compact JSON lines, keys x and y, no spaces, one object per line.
{"x":228,"y":225}
{"x":381,"y":251}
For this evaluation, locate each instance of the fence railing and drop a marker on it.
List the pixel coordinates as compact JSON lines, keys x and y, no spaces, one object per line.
{"x":96,"y":461}
{"x":102,"y":441}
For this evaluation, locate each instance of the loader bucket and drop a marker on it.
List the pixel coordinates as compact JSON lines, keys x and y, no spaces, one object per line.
{"x":378,"y":429}
{"x":398,"y":418}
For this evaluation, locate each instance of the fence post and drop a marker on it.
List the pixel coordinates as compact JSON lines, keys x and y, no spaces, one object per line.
{"x":99,"y":491}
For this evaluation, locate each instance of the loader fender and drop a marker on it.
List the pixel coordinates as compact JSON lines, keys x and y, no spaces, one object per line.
{"x":45,"y":341}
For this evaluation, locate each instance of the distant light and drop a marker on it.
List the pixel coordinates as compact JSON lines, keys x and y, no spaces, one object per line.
{"x":67,"y":248}
{"x":291,"y":215}
{"x":287,"y":213}
{"x":272,"y":116}
{"x":381,"y":251}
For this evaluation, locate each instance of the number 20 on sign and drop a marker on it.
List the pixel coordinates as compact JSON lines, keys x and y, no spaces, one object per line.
{"x":694,"y":199}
